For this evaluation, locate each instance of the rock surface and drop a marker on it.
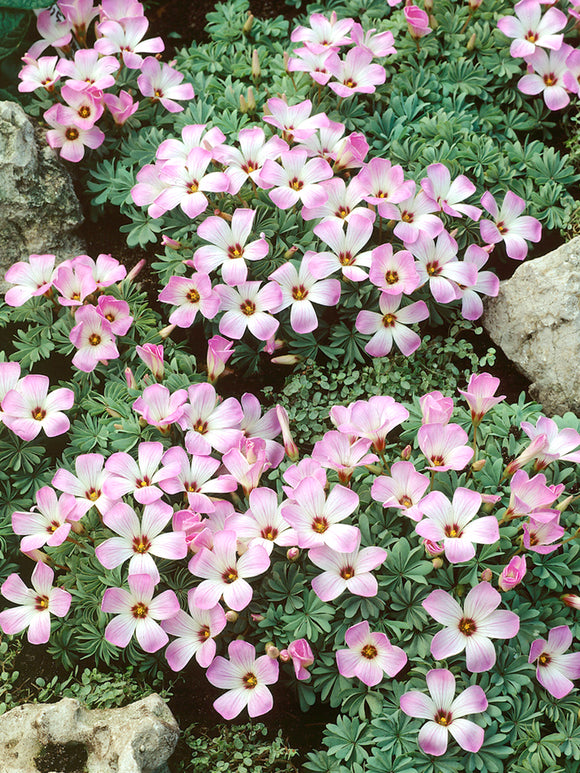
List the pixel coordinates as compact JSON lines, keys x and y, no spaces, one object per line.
{"x":39,"y":210}
{"x":535,"y":319}
{"x":138,"y":738}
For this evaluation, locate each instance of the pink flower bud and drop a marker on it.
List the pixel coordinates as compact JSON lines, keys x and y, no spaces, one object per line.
{"x":433,"y":549}
{"x":256,"y":69}
{"x":256,"y":618}
{"x":167,"y":241}
{"x":302,"y":657}
{"x":272,"y":651}
{"x":136,"y":270}
{"x":285,"y":656}
{"x":571,"y":600}
{"x":219,"y":351}
{"x":478,"y":465}
{"x":166,"y":331}
{"x":437,"y":563}
{"x":513,"y":573}
{"x":289,"y":445}
{"x":130,"y":379}
{"x":406,"y":453}
{"x":152,"y":356}
{"x":417,"y":21}
{"x":486,"y":575}
{"x":287,"y":359}
{"x":292,"y":554}
{"x":231,"y":616}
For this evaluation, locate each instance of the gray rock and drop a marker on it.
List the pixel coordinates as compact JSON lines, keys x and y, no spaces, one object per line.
{"x":39,"y":210}
{"x":535,"y":319}
{"x":138,"y":738}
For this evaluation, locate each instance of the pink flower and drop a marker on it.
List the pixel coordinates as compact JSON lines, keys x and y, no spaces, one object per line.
{"x":121,"y":107}
{"x":51,"y":524}
{"x":247,"y":463}
{"x":88,"y":70}
{"x":138,"y":477}
{"x":341,"y":203}
{"x":509,"y":225}
{"x":68,"y":137}
{"x":266,"y":427}
{"x":106,"y":269}
{"x":82,"y":109}
{"x":437,"y":264}
{"x":480,"y":395}
{"x":530,"y":29}
{"x":162,"y":83}
{"x":219,"y":351}
{"x":417,"y":21}
{"x":300,"y":289}
{"x":249,"y":307}
{"x":323,"y":34}
{"x":317,"y":519}
{"x":404,"y":489}
{"x":159,"y":406}
{"x":471,"y":628}
{"x":136,"y":613}
{"x":195,"y":634}
{"x":228,"y":247}
{"x":486,"y":283}
{"x":152,"y":356}
{"x":224,"y":574}
{"x":444,"y":446}
{"x":35,"y":604}
{"x":393,"y":273}
{"x":116,"y":312}
{"x":555,"y":670}
{"x":354,"y":74}
{"x":369,"y":655}
{"x":263,"y":523}
{"x":560,"y":444}
{"x":87,"y":486}
{"x":435,"y":408}
{"x":512,"y":574}
{"x":539,"y":533}
{"x":209,"y":422}
{"x":139,"y":540}
{"x":195,"y":135}
{"x":247,"y":162}
{"x":300,"y":652}
{"x":39,"y":74}
{"x":54,"y":31}
{"x":93,"y":338}
{"x":528,"y":495}
{"x":379,"y":45}
{"x":449,"y":195}
{"x":195,"y":477}
{"x":29,"y":408}
{"x":294,"y":121}
{"x":346,"y":571}
{"x":126,"y":38}
{"x":74,"y":283}
{"x":245,"y":678}
{"x":415,"y":217}
{"x":384,"y":185}
{"x":548,"y":76}
{"x":530,"y":452}
{"x":305,"y":60}
{"x":446,"y":714}
{"x":338,"y":453}
{"x":390,"y":325}
{"x":346,"y":255}
{"x":455,"y":523}
{"x":373,"y":419}
{"x":190,"y":295}
{"x":295,"y":179}
{"x":31,"y":279}
{"x":185,"y":184}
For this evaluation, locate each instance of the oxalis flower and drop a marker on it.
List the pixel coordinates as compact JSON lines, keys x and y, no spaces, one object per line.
{"x":445,"y":714}
{"x":391,"y":325}
{"x":195,"y":634}
{"x":245,"y":677}
{"x":509,"y":225}
{"x":34,"y":604}
{"x":369,"y":655}
{"x":555,"y":670}
{"x":471,"y":628}
{"x":29,"y":408}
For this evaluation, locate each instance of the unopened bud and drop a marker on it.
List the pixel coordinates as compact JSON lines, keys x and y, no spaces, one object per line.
{"x":428,"y":6}
{"x":223,"y":215}
{"x":563,"y":505}
{"x":231,"y":616}
{"x":251,"y":100}
{"x":433,"y":23}
{"x":437,"y":563}
{"x":406,"y":453}
{"x":77,"y":527}
{"x":292,"y":554}
{"x":248,"y":23}
{"x":136,"y":270}
{"x":256,"y":618}
{"x":571,"y":600}
{"x":486,"y":575}
{"x":256,"y":70}
{"x":290,"y":252}
{"x":130,"y":379}
{"x":478,"y":465}
{"x":287,"y":359}
{"x":471,"y":42}
{"x":243,"y":104}
{"x":433,"y":549}
{"x":271,"y":650}
{"x":460,"y":590}
{"x":37,"y":555}
{"x":285,"y":656}
{"x":166,"y":331}
{"x":112,"y":413}
{"x":286,"y":60}
{"x":120,"y":426}
{"x":376,"y":469}
{"x":167,"y":241}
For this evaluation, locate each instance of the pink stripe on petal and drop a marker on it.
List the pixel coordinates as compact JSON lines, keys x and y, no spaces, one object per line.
{"x":39,"y":628}
{"x":150,"y":635}
{"x":433,"y":739}
{"x":328,"y":586}
{"x":120,"y":630}
{"x":479,"y":653}
{"x":467,"y":734}
{"x":417,"y":704}
{"x":13,"y":621}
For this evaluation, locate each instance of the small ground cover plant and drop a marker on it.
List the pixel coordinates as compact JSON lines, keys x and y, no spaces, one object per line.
{"x":412,"y":560}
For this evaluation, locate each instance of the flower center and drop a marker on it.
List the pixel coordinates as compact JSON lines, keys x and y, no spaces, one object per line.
{"x":141,"y":544}
{"x":41,"y":603}
{"x":94,"y":339}
{"x":452,"y":530}
{"x":248,"y":308}
{"x":38,"y":414}
{"x":342,"y":212}
{"x":249,"y":166}
{"x":443,"y":718}
{"x":84,"y":111}
{"x":467,"y":626}
{"x":93,"y":494}
{"x":550,"y":79}
{"x":405,"y":501}
{"x":350,"y":84}
{"x":193,"y":187}
{"x":347,"y":572}
{"x":236,"y":251}
{"x":250,"y":681}
{"x":296,"y":184}
{"x":407,"y":217}
{"x":269,"y":532}
{"x":389,"y":320}
{"x":229,"y":576}
{"x":299,"y":293}
{"x":437,"y":461}
{"x":501,"y":228}
{"x":192,"y":295}
{"x":71,"y":134}
{"x":158,"y":93}
{"x":544,"y":659}
{"x":201,"y":427}
{"x":319,"y":524}
{"x":532,"y":36}
{"x":391,"y":277}
{"x":433,"y":268}
{"x":140,"y":610}
{"x":141,"y":483}
{"x":52,"y":527}
{"x":204,"y":633}
{"x":369,"y":651}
